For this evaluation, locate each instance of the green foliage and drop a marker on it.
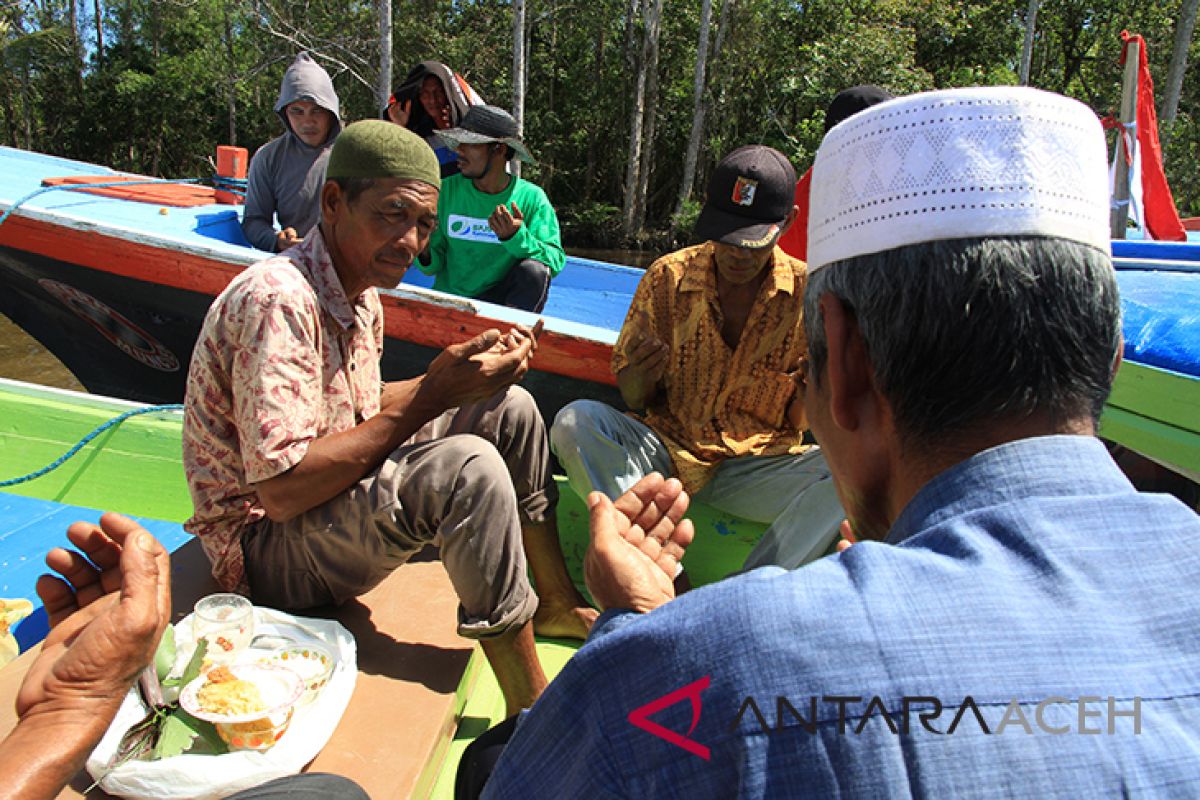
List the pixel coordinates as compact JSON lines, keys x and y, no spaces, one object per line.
{"x":685,"y":220}
{"x":1182,"y":154}
{"x":167,"y":730}
{"x":592,"y":225}
{"x":178,"y":77}
{"x":165,"y":653}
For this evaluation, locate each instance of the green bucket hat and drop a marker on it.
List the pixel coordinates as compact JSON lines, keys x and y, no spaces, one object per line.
{"x":373,"y":148}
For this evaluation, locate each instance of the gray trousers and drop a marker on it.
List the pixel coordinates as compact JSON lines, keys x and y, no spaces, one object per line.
{"x":463,"y":482}
{"x":603,"y":450}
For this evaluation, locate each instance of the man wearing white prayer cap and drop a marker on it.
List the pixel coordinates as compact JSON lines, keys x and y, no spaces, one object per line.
{"x":1015,"y":620}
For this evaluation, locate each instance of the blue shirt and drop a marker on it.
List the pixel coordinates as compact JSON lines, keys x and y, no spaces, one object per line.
{"x":1029,"y":591}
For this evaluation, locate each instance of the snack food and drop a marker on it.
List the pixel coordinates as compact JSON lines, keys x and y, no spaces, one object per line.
{"x":226,"y":694}
{"x":272,"y":695}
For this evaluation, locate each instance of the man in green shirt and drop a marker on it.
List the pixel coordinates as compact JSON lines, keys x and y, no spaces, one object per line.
{"x":497,"y":237}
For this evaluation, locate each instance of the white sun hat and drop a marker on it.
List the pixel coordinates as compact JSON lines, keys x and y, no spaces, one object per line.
{"x":993,"y":161}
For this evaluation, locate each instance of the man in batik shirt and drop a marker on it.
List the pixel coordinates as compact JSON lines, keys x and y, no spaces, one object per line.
{"x":709,"y":355}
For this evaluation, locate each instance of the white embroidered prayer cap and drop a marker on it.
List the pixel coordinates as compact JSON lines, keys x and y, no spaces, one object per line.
{"x":992,"y":161}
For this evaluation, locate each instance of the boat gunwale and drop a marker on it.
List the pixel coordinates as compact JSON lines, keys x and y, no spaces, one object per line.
{"x":403,"y":292}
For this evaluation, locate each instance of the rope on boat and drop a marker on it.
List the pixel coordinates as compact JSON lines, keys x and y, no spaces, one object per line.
{"x":233,"y":185}
{"x":117,"y":420}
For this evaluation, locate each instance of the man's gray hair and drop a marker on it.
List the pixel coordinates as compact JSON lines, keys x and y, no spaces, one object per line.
{"x":964,"y":331}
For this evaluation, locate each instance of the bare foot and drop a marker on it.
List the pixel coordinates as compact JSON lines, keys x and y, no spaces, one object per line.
{"x":564,"y":621}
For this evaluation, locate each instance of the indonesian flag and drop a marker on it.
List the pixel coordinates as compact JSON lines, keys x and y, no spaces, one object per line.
{"x":1150,"y":203}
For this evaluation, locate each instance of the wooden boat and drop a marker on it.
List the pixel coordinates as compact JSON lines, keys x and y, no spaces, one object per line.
{"x":117,"y":287}
{"x":1154,"y":408}
{"x":414,"y":670}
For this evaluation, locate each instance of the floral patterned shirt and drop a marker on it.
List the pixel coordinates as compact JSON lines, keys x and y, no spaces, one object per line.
{"x":716,"y":402}
{"x":284,"y":358}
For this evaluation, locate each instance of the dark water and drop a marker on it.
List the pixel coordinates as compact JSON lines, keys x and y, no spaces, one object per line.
{"x":630,"y":258}
{"x":23,"y":358}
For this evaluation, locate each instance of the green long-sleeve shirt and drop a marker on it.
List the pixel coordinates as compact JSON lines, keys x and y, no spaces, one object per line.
{"x":467,"y":257}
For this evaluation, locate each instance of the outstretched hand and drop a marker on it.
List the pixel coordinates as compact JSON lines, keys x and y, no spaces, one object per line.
{"x":399,"y":112}
{"x":647,"y":358}
{"x":636,"y":544}
{"x":107,"y":613}
{"x":478,"y":368}
{"x":504,"y":223}
{"x":287,"y":238}
{"x":796,"y":415}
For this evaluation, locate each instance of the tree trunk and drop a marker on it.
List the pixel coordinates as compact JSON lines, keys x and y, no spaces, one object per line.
{"x":156,"y":44}
{"x":76,"y":50}
{"x":693,"y":146}
{"x":714,"y":62}
{"x":633,"y":12}
{"x":518,"y":77}
{"x":10,"y":109}
{"x":230,"y":76}
{"x":633,"y":167}
{"x":642,"y":123}
{"x":650,"y":119}
{"x":1183,"y":42}
{"x":546,"y":160}
{"x":589,"y":173}
{"x":99,"y":32}
{"x":26,"y":108}
{"x":589,"y":179}
{"x":722,"y":29}
{"x":383,"y":88}
{"x":1027,"y":47}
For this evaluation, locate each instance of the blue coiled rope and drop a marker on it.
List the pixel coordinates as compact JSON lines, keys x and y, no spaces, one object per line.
{"x":231,"y":185}
{"x":117,"y":420}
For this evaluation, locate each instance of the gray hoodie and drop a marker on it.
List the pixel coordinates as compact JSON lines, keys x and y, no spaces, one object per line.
{"x":286,"y":174}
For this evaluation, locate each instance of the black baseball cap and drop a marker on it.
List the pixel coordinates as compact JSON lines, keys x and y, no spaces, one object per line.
{"x":849,"y":102}
{"x":750,"y":194}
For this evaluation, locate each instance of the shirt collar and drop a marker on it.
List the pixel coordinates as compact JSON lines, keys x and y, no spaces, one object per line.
{"x":702,"y":277}
{"x":314,"y":260}
{"x":1039,"y":466}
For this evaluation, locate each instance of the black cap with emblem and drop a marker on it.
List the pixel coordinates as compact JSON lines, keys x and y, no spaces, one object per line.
{"x":750,"y":195}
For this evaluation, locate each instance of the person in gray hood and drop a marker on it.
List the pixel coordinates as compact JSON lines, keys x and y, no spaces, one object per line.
{"x":286,"y":173}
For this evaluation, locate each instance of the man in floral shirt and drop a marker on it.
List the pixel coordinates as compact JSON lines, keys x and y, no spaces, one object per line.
{"x":311,"y":483}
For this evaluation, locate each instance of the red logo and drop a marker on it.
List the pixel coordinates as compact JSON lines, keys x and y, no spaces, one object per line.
{"x":641,"y":716}
{"x":744,"y":190}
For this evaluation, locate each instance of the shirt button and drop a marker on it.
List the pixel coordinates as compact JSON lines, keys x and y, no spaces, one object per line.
{"x":352,"y":367}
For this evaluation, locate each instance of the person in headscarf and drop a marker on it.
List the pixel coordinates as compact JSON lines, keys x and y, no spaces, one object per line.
{"x":431,"y":98}
{"x":286,"y":173}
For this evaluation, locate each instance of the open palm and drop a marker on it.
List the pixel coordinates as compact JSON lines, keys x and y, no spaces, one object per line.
{"x":636,"y":544}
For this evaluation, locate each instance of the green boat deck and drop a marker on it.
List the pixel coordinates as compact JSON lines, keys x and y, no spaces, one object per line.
{"x":1156,"y":412}
{"x":134,"y":468}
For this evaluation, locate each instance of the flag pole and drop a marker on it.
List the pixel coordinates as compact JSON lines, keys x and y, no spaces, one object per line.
{"x":1129,"y":89}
